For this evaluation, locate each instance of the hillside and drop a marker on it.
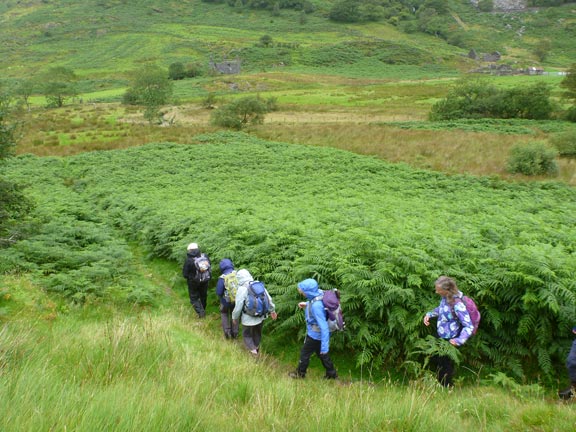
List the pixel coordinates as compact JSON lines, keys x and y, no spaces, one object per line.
{"x":103,"y":40}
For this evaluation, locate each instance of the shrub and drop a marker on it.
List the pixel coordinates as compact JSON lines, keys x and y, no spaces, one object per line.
{"x":571,"y":114}
{"x":240,"y":113}
{"x":565,"y":143}
{"x":533,"y":159}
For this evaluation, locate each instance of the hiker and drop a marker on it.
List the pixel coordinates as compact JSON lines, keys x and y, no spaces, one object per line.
{"x":251,"y":325}
{"x":570,"y":392}
{"x":317,"y":332}
{"x":197,"y":272}
{"x":454,"y":325}
{"x":227,"y":296}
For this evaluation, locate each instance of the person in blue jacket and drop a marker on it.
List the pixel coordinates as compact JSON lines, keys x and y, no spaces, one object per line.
{"x":317,"y":332}
{"x":570,"y":392}
{"x":228,"y":326}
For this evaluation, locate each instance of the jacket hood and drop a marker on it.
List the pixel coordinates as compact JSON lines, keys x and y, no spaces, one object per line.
{"x":244,"y":276}
{"x":226,"y":266}
{"x":310,"y":288}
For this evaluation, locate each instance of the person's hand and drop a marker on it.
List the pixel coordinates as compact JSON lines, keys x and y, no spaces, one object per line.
{"x":426,"y":320}
{"x":453,"y":342}
{"x":235,"y":322}
{"x":274,"y":315}
{"x":302,"y":305}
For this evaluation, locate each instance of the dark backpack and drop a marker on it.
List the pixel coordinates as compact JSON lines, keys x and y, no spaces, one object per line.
{"x":331,"y":301}
{"x":230,"y":286}
{"x":203,"y":268}
{"x":257,"y":303}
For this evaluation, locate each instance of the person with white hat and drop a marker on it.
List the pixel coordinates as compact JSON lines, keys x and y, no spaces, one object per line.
{"x":197,"y":271}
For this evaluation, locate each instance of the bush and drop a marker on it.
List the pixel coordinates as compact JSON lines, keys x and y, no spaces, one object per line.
{"x":240,"y":113}
{"x":533,"y":159}
{"x":571,"y":114}
{"x":565,"y":143}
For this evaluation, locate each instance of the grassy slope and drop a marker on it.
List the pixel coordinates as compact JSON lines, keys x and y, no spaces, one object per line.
{"x":102,"y":368}
{"x":107,"y":38}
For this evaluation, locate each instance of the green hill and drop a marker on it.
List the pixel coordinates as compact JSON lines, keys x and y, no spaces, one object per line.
{"x":103,"y":40}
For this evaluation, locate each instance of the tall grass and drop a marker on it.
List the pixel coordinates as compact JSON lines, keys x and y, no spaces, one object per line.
{"x":165,"y":370}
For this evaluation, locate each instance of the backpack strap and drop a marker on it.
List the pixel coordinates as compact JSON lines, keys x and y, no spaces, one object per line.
{"x":315,"y":327}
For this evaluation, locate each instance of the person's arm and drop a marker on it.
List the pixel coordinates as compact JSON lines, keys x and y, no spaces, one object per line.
{"x":431,"y":314}
{"x":220,"y":287}
{"x":467,"y":327}
{"x":185,"y":269}
{"x":273,"y":313}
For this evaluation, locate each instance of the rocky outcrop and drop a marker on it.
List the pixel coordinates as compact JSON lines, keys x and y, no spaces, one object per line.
{"x":506,"y":5}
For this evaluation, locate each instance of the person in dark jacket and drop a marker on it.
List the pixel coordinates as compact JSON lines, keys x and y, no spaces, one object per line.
{"x":570,"y":392}
{"x":226,"y":306}
{"x":197,"y":277}
{"x":317,"y":331}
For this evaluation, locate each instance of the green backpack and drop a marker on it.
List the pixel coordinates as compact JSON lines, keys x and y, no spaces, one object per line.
{"x":230,"y":286}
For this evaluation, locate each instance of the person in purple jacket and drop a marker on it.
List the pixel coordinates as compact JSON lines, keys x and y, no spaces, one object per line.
{"x":570,"y":392}
{"x":454,"y":324}
{"x":317,"y":331}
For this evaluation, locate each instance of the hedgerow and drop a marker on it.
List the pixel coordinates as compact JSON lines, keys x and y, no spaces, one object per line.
{"x":381,"y":233}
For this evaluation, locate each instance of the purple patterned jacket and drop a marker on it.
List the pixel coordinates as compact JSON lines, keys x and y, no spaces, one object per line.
{"x":453,"y":322}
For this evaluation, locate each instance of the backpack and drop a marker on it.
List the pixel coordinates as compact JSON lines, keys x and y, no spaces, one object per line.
{"x":331,"y":301}
{"x":473,"y":312}
{"x":203,"y":268}
{"x":230,"y":286}
{"x":257,"y":303}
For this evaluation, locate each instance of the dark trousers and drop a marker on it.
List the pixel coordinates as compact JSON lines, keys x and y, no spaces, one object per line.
{"x":198,"y":293}
{"x":252,"y":335}
{"x":444,"y":369}
{"x":571,"y":363}
{"x":230,"y":330}
{"x":310,"y":347}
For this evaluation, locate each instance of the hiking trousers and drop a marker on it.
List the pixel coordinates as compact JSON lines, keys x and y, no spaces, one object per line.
{"x":252,"y":335}
{"x":310,"y":347}
{"x":198,"y":293}
{"x":230,"y":330}
{"x":571,"y":363}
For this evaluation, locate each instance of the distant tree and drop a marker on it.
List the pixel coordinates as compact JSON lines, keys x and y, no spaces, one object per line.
{"x":240,"y":113}
{"x":478,"y":99}
{"x":266,"y":40}
{"x":176,"y":71}
{"x":58,"y":84}
{"x":542,"y":49}
{"x":569,"y":86}
{"x":569,"y":83}
{"x":194,"y":70}
{"x":24,"y":89}
{"x":151,"y":88}
{"x":346,"y":11}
